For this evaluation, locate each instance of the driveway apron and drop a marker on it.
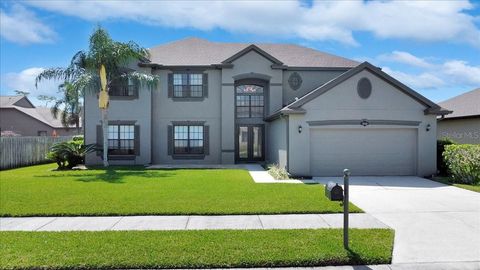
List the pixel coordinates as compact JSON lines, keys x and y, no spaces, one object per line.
{"x":433,"y":222}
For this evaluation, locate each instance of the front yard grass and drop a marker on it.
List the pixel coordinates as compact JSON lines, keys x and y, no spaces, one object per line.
{"x":193,"y":249}
{"x":447,"y":181}
{"x":39,"y":191}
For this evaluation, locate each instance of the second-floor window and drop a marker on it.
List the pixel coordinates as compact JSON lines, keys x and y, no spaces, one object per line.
{"x":188,"y":85}
{"x":249,"y":101}
{"x":123,"y":87}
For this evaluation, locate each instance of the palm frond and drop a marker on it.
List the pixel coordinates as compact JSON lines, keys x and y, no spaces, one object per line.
{"x":140,"y":79}
{"x":56,"y":108}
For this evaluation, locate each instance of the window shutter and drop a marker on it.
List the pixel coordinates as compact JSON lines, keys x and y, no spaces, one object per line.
{"x":136,"y":136}
{"x":170,"y":85}
{"x":170,"y":140}
{"x":205,"y":84}
{"x":99,"y":140}
{"x":206,"y":140}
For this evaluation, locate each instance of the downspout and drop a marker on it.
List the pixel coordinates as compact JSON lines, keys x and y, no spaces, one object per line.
{"x":287,"y":120}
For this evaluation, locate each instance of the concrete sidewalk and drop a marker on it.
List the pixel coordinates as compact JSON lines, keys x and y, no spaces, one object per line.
{"x":235,"y":222}
{"x":400,"y":266}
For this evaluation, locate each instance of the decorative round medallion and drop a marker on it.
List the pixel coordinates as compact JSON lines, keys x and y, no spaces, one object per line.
{"x":295,"y":81}
{"x":364,"y":88}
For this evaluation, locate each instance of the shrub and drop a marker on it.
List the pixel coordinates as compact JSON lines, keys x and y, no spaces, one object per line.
{"x":278,"y":173}
{"x":54,"y":156}
{"x":70,"y":154}
{"x":463,"y":161}
{"x":78,"y":138}
{"x":441,"y":166}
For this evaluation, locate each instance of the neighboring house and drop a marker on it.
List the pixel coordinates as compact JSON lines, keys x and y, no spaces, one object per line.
{"x":308,"y":111}
{"x":19,"y":116}
{"x":463,"y":125}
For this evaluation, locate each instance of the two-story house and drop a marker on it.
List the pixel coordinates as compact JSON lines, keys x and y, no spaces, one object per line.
{"x":308,"y":111}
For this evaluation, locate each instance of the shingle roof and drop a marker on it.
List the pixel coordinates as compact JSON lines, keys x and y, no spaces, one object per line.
{"x":464,"y":105}
{"x":42,"y":114}
{"x":200,"y":52}
{"x":9,"y":100}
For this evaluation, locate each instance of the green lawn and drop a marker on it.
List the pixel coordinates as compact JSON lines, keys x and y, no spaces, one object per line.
{"x":447,"y":181}
{"x":193,"y":249}
{"x":39,"y":191}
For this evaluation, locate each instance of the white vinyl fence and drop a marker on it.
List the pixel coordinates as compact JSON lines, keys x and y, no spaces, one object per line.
{"x":23,"y":151}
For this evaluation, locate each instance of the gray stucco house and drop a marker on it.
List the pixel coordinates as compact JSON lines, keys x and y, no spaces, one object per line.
{"x":463,"y":124}
{"x":308,"y":111}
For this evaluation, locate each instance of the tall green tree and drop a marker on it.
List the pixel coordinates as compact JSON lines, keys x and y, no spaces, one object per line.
{"x":22,"y":93}
{"x":47,"y":99}
{"x":71,"y":91}
{"x":69,"y":106}
{"x":84,"y":70}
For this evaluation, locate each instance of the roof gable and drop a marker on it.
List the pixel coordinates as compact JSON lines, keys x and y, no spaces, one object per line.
{"x":21,"y":101}
{"x":432,"y":108}
{"x":248,"y":49}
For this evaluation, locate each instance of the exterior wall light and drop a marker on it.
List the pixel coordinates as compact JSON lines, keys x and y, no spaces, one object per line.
{"x":428,"y":127}
{"x":299,"y":129}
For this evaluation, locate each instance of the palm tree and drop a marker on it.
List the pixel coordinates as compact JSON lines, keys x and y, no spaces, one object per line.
{"x":108,"y":57}
{"x":69,"y":105}
{"x":47,"y":99}
{"x":72,"y":90}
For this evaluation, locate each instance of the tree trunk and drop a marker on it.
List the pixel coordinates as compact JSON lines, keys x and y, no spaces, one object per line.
{"x":77,"y":124}
{"x":105,"y":136}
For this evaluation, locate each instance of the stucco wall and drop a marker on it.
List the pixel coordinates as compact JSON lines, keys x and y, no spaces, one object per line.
{"x":138,"y":110}
{"x":277,"y":142}
{"x":343,"y":103}
{"x":165,"y":110}
{"x":310,"y":80}
{"x":25,"y":125}
{"x":466,"y":130}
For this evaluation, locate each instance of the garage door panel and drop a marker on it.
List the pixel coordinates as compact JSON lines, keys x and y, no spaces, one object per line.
{"x":364,"y":151}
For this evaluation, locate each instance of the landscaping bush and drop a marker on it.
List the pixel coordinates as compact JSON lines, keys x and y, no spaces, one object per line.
{"x":441,"y":166}
{"x":277,"y":172}
{"x":463,"y":161}
{"x":69,"y":154}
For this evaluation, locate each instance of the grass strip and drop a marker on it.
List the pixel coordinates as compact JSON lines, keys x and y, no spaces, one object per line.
{"x":193,"y":249}
{"x":448,"y":181}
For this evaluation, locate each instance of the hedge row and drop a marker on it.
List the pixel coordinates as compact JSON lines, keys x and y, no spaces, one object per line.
{"x":463,"y":162}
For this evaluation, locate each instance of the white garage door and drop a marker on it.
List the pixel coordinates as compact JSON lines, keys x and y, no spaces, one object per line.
{"x":369,"y":151}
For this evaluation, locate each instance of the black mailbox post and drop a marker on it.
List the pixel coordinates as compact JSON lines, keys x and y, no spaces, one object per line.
{"x":333,"y":191}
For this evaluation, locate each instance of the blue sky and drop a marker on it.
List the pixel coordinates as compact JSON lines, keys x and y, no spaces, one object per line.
{"x":434,"y":47}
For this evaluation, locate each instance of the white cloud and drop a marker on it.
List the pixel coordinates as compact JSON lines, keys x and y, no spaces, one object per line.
{"x":424,"y":80}
{"x":449,"y":73}
{"x":461,"y":72}
{"x":25,"y":81}
{"x":405,"y":58}
{"x":22,"y":26}
{"x":333,"y":20}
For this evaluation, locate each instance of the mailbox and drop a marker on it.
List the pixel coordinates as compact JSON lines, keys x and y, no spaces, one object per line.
{"x":333,"y":191}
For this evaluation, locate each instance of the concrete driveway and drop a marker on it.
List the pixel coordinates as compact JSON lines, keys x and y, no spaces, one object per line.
{"x":433,"y":222}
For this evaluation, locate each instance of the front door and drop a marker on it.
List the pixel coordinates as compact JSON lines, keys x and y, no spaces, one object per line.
{"x":250,"y":143}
